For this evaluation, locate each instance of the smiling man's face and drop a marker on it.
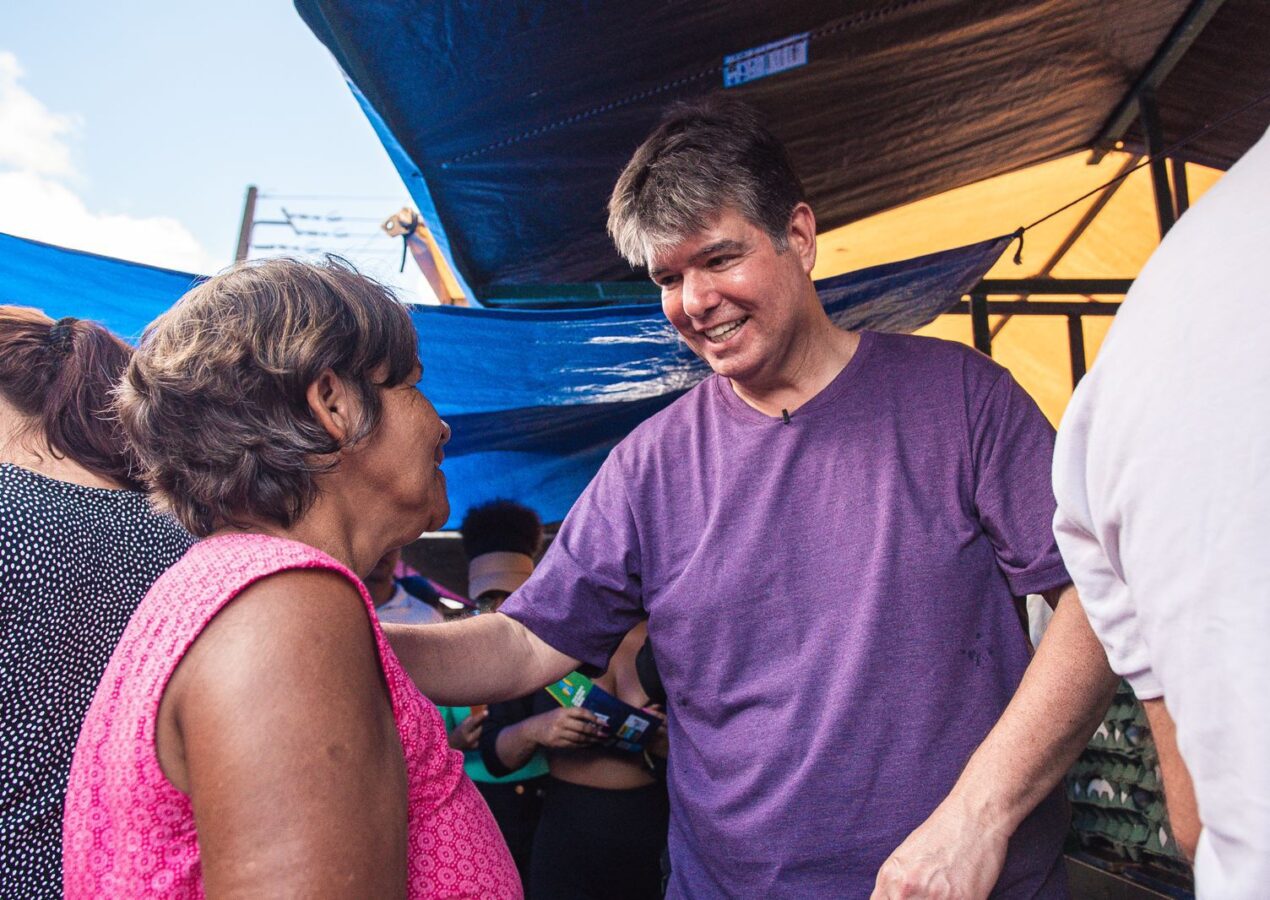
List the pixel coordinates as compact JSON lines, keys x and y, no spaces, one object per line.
{"x":739,"y":302}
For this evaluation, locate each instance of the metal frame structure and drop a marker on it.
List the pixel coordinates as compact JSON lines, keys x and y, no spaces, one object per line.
{"x":979,"y":308}
{"x":1172,"y":198}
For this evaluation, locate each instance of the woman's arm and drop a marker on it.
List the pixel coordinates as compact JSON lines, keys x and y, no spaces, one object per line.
{"x":566,"y":728}
{"x":483,"y":659}
{"x":513,"y":733}
{"x":278,"y":725}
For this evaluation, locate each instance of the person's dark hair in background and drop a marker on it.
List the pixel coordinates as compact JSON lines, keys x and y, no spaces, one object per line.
{"x":81,"y":546}
{"x":501,"y":539}
{"x":407,"y":600}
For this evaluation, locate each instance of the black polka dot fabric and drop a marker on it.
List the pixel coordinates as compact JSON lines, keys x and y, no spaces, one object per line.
{"x":74,"y":563}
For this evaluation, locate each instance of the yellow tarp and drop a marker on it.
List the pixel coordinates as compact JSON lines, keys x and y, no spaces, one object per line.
{"x":1116,"y":245}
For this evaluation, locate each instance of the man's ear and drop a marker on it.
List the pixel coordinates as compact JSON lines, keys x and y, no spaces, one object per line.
{"x":802,"y":235}
{"x":332,"y":405}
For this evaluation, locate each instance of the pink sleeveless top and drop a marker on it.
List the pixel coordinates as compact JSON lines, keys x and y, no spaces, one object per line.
{"x":128,"y":833}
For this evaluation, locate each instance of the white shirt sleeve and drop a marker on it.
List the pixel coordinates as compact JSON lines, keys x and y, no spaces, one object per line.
{"x":1162,"y":475}
{"x":1091,"y":551}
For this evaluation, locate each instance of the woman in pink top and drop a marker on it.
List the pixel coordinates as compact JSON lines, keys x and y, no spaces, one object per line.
{"x":254,"y":734}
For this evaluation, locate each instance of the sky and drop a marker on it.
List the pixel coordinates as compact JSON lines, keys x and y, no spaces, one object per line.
{"x":133,"y":129}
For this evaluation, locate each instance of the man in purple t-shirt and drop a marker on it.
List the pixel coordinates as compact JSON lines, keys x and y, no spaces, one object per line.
{"x":826,"y":537}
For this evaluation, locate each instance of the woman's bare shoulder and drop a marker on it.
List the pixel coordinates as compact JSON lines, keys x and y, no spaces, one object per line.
{"x":292,"y":642}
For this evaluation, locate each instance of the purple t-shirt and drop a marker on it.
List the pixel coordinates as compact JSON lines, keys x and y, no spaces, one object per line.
{"x":830,"y":603}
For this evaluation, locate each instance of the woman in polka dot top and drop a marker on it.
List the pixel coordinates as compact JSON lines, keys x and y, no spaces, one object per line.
{"x":79,"y":547}
{"x":254,"y":734}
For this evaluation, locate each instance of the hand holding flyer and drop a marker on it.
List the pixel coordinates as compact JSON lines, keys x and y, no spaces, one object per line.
{"x":629,"y":728}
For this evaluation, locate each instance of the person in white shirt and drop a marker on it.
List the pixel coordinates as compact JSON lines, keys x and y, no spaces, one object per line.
{"x":393,"y":603}
{"x":1162,"y":474}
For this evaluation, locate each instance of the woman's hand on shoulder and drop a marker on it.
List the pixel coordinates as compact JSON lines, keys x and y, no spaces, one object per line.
{"x":286,"y":744}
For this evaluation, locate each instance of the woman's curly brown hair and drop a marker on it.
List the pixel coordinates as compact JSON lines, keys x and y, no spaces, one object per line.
{"x":214,"y":401}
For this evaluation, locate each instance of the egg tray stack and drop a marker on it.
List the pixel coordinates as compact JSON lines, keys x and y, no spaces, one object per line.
{"x":1118,"y":813}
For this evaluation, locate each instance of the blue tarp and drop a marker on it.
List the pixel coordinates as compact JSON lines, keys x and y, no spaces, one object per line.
{"x":509,"y":122}
{"x":123,"y":296}
{"x":536,"y":399}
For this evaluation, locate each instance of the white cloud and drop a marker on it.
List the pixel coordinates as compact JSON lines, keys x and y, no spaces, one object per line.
{"x":32,"y":138}
{"x":36,"y":207}
{"x":36,"y":200}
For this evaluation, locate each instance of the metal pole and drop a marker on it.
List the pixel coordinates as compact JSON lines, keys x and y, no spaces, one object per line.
{"x":1039,"y":308}
{"x":249,"y":220}
{"x":1181,"y":191}
{"x":1076,"y":340}
{"x":979,"y":323}
{"x":1166,"y":58}
{"x":1150,"y":114}
{"x":1056,"y":287}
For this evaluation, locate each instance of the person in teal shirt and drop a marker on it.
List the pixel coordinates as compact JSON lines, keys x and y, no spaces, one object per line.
{"x":464,"y":727}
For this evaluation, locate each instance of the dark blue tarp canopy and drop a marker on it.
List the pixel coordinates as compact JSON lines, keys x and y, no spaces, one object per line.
{"x":509,"y":122}
{"x":536,"y":399}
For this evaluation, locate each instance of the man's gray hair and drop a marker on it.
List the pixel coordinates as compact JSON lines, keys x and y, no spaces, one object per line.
{"x":704,"y":157}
